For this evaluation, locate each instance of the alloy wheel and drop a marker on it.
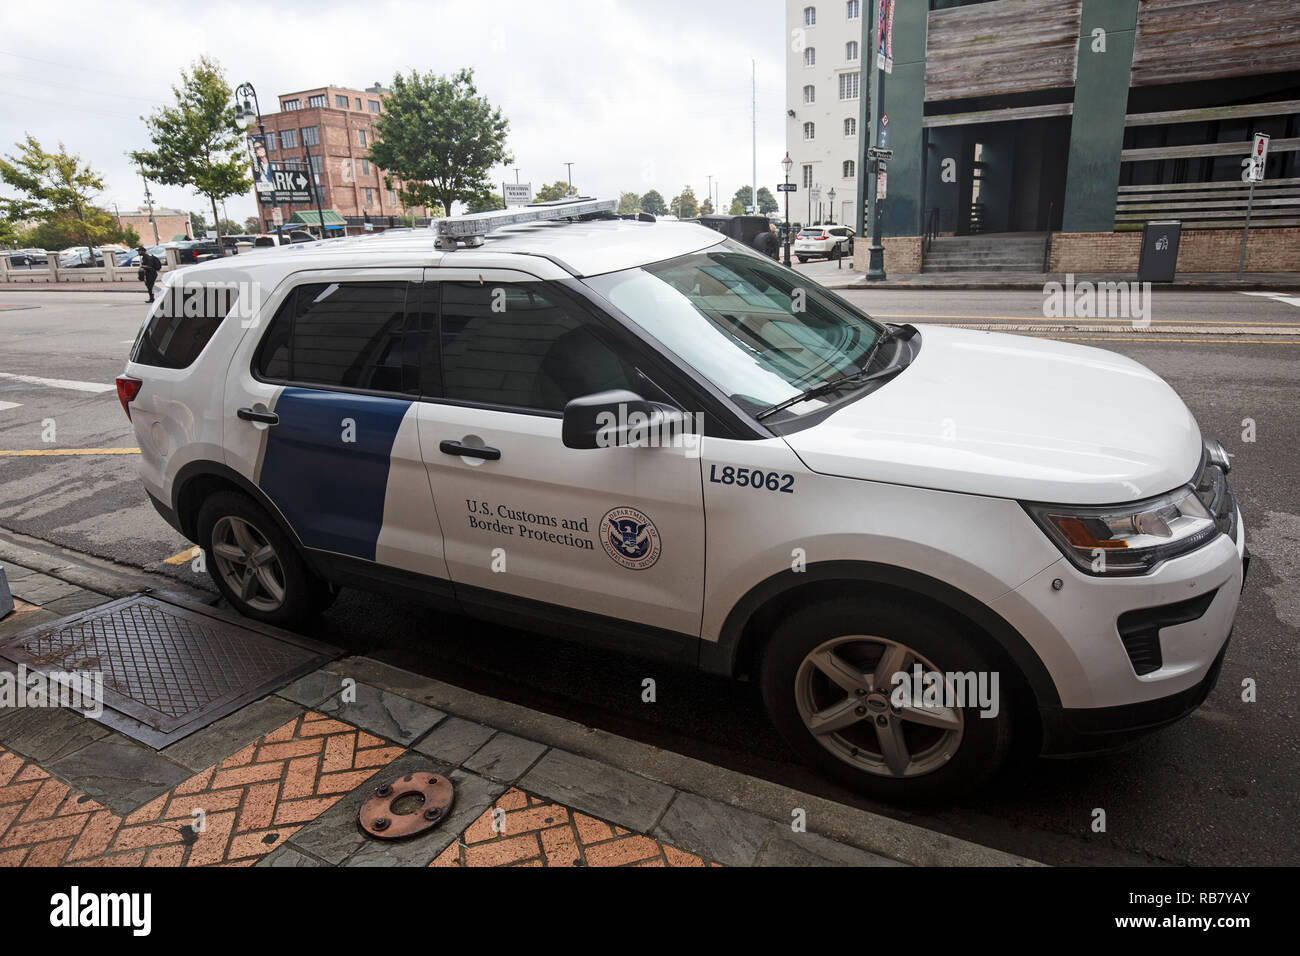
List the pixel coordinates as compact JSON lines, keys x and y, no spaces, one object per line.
{"x":248,"y":563}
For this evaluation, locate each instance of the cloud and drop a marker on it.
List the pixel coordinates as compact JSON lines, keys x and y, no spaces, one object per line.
{"x":635,"y":95}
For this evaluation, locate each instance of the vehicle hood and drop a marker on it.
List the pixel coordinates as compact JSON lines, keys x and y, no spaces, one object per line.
{"x":1012,"y":417}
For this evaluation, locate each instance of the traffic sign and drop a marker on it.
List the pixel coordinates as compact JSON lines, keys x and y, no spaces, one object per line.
{"x":787,"y":187}
{"x":517,"y":194}
{"x":1258,"y":157}
{"x":877,"y":152}
{"x":291,"y":186}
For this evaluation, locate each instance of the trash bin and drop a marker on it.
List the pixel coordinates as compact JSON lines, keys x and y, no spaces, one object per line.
{"x":1159,"y":259}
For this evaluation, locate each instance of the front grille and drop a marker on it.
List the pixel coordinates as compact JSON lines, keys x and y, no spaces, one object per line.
{"x":1140,"y":630}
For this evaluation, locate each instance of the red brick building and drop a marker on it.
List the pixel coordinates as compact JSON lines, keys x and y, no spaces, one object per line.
{"x":334,"y":124}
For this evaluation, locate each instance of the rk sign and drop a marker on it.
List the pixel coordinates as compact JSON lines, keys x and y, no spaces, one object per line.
{"x":291,"y":186}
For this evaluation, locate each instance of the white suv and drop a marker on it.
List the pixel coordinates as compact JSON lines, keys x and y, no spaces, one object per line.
{"x":831,"y":242}
{"x":649,"y":436}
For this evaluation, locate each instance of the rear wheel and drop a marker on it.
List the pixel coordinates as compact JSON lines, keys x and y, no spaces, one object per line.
{"x":830,"y":680}
{"x":255,"y":565}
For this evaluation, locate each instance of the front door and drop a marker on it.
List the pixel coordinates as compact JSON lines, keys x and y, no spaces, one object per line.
{"x":616,"y":532}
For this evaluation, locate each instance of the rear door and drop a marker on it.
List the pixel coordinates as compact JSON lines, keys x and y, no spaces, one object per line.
{"x":615,"y":532}
{"x":320,"y":415}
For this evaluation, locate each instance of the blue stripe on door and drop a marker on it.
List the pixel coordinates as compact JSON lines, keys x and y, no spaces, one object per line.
{"x":332,"y":490}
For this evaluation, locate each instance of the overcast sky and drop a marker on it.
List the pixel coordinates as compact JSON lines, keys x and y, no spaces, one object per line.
{"x":637,"y":95}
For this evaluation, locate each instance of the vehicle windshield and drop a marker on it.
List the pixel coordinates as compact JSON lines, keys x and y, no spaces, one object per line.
{"x":747,"y":324}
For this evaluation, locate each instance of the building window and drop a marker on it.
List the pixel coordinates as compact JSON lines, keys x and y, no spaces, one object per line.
{"x":850,"y":127}
{"x":271,"y":142}
{"x":851,"y":50}
{"x":848,"y":86}
{"x":311,"y":134}
{"x":807,"y":177}
{"x":854,"y":9}
{"x":810,"y":56}
{"x":810,"y":94}
{"x":374,"y":106}
{"x":316,"y":102}
{"x":365,"y":167}
{"x":289,"y":138}
{"x":392,"y":198}
{"x":317,"y":165}
{"x":362,"y":134}
{"x":809,"y":131}
{"x":810,"y":16}
{"x":850,"y":169}
{"x":290,"y":105}
{"x":370,"y":196}
{"x":340,"y":101}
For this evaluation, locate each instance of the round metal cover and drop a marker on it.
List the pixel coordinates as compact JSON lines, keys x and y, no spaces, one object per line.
{"x":407,"y":805}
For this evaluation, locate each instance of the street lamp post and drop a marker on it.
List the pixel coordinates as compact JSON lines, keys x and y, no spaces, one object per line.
{"x":245,"y":111}
{"x":787,"y":164}
{"x":831,"y":200}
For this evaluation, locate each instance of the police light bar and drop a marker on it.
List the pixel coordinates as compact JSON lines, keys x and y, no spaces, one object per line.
{"x":471,"y":229}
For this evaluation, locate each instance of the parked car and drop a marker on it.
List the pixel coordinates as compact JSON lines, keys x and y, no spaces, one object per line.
{"x":81,"y":259}
{"x":131,"y":258}
{"x":28,"y":259}
{"x":683,"y":459}
{"x":829,"y":242}
{"x":195,"y":250}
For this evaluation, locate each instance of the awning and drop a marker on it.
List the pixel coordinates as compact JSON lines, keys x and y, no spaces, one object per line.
{"x":310,"y":217}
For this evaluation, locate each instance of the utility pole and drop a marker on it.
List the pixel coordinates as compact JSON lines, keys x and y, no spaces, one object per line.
{"x":876,"y":262}
{"x":148,"y":198}
{"x":710,"y":194}
{"x":569,"y":181}
{"x":753,"y":105}
{"x":516,"y":169}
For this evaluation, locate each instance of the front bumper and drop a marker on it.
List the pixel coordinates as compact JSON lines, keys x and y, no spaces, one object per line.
{"x":1087,"y":731}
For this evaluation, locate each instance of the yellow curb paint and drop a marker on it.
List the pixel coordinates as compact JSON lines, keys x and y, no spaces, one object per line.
{"x":1158,"y":340}
{"x":184,"y":557}
{"x":43,"y":452}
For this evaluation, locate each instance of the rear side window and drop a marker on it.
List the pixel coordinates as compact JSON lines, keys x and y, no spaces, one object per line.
{"x":184,"y":321}
{"x":349,"y":335}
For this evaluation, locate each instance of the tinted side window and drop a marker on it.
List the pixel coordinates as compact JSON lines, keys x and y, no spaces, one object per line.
{"x":524,"y":346}
{"x":344,"y":335}
{"x":185,"y":319}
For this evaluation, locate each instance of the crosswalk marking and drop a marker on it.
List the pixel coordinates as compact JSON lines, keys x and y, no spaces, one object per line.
{"x":58,"y":383}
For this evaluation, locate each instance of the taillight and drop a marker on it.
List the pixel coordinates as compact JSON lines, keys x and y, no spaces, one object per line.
{"x":127,"y":389}
{"x":824,"y":235}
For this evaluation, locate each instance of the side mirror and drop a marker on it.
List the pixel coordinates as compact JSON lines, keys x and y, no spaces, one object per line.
{"x":619,"y":418}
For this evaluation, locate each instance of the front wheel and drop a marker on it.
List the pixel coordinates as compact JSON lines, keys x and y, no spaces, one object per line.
{"x":890,"y":699}
{"x":255,"y":565}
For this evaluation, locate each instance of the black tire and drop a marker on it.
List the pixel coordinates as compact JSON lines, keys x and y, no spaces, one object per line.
{"x":305,"y":595}
{"x":802,"y":258}
{"x":984,"y":742}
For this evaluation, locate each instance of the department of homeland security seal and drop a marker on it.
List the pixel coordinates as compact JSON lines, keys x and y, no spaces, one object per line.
{"x":630,"y":538}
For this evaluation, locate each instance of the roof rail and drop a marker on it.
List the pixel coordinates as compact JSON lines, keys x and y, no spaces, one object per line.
{"x":469,"y":230}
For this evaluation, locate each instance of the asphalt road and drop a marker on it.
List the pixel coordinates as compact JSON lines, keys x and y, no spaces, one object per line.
{"x":1218,"y":788}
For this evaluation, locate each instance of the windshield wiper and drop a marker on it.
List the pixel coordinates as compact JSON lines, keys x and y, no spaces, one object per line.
{"x":850,"y":381}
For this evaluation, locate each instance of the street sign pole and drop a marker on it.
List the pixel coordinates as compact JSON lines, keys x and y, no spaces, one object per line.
{"x":1258,"y":157}
{"x":876,"y":260}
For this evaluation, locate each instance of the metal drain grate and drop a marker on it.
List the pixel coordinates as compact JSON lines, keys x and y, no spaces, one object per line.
{"x":171,"y":669}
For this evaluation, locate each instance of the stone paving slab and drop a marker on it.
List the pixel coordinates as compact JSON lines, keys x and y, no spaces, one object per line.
{"x":455,"y":740}
{"x":599,"y":789}
{"x":505,"y":757}
{"x":384,"y":713}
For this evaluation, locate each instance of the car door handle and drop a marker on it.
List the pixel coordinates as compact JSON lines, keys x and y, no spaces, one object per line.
{"x":469,"y":451}
{"x":266,"y":418}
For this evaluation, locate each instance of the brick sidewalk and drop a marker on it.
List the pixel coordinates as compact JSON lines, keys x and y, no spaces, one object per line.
{"x":281,"y":780}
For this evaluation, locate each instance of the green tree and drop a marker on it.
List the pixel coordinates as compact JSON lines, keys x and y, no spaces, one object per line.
{"x":55,"y":187}
{"x":196,"y":142}
{"x":706,"y":208}
{"x":439,"y":138}
{"x":653,"y":203}
{"x":252,"y":225}
{"x":556,"y":190}
{"x":486,"y":203}
{"x":8,"y":233}
{"x":67,"y":231}
{"x":228,"y":226}
{"x":684,"y":205}
{"x":737,"y":208}
{"x":767,"y":203}
{"x":629,"y":204}
{"x":198,"y":224}
{"x":745,"y":196}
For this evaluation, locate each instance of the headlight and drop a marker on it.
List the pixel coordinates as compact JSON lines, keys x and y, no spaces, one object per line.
{"x":1131,"y":538}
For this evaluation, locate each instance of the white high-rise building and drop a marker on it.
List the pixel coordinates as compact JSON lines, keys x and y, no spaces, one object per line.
{"x":824,"y":58}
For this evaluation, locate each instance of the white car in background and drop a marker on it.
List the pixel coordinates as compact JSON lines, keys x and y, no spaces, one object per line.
{"x":829,"y":242}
